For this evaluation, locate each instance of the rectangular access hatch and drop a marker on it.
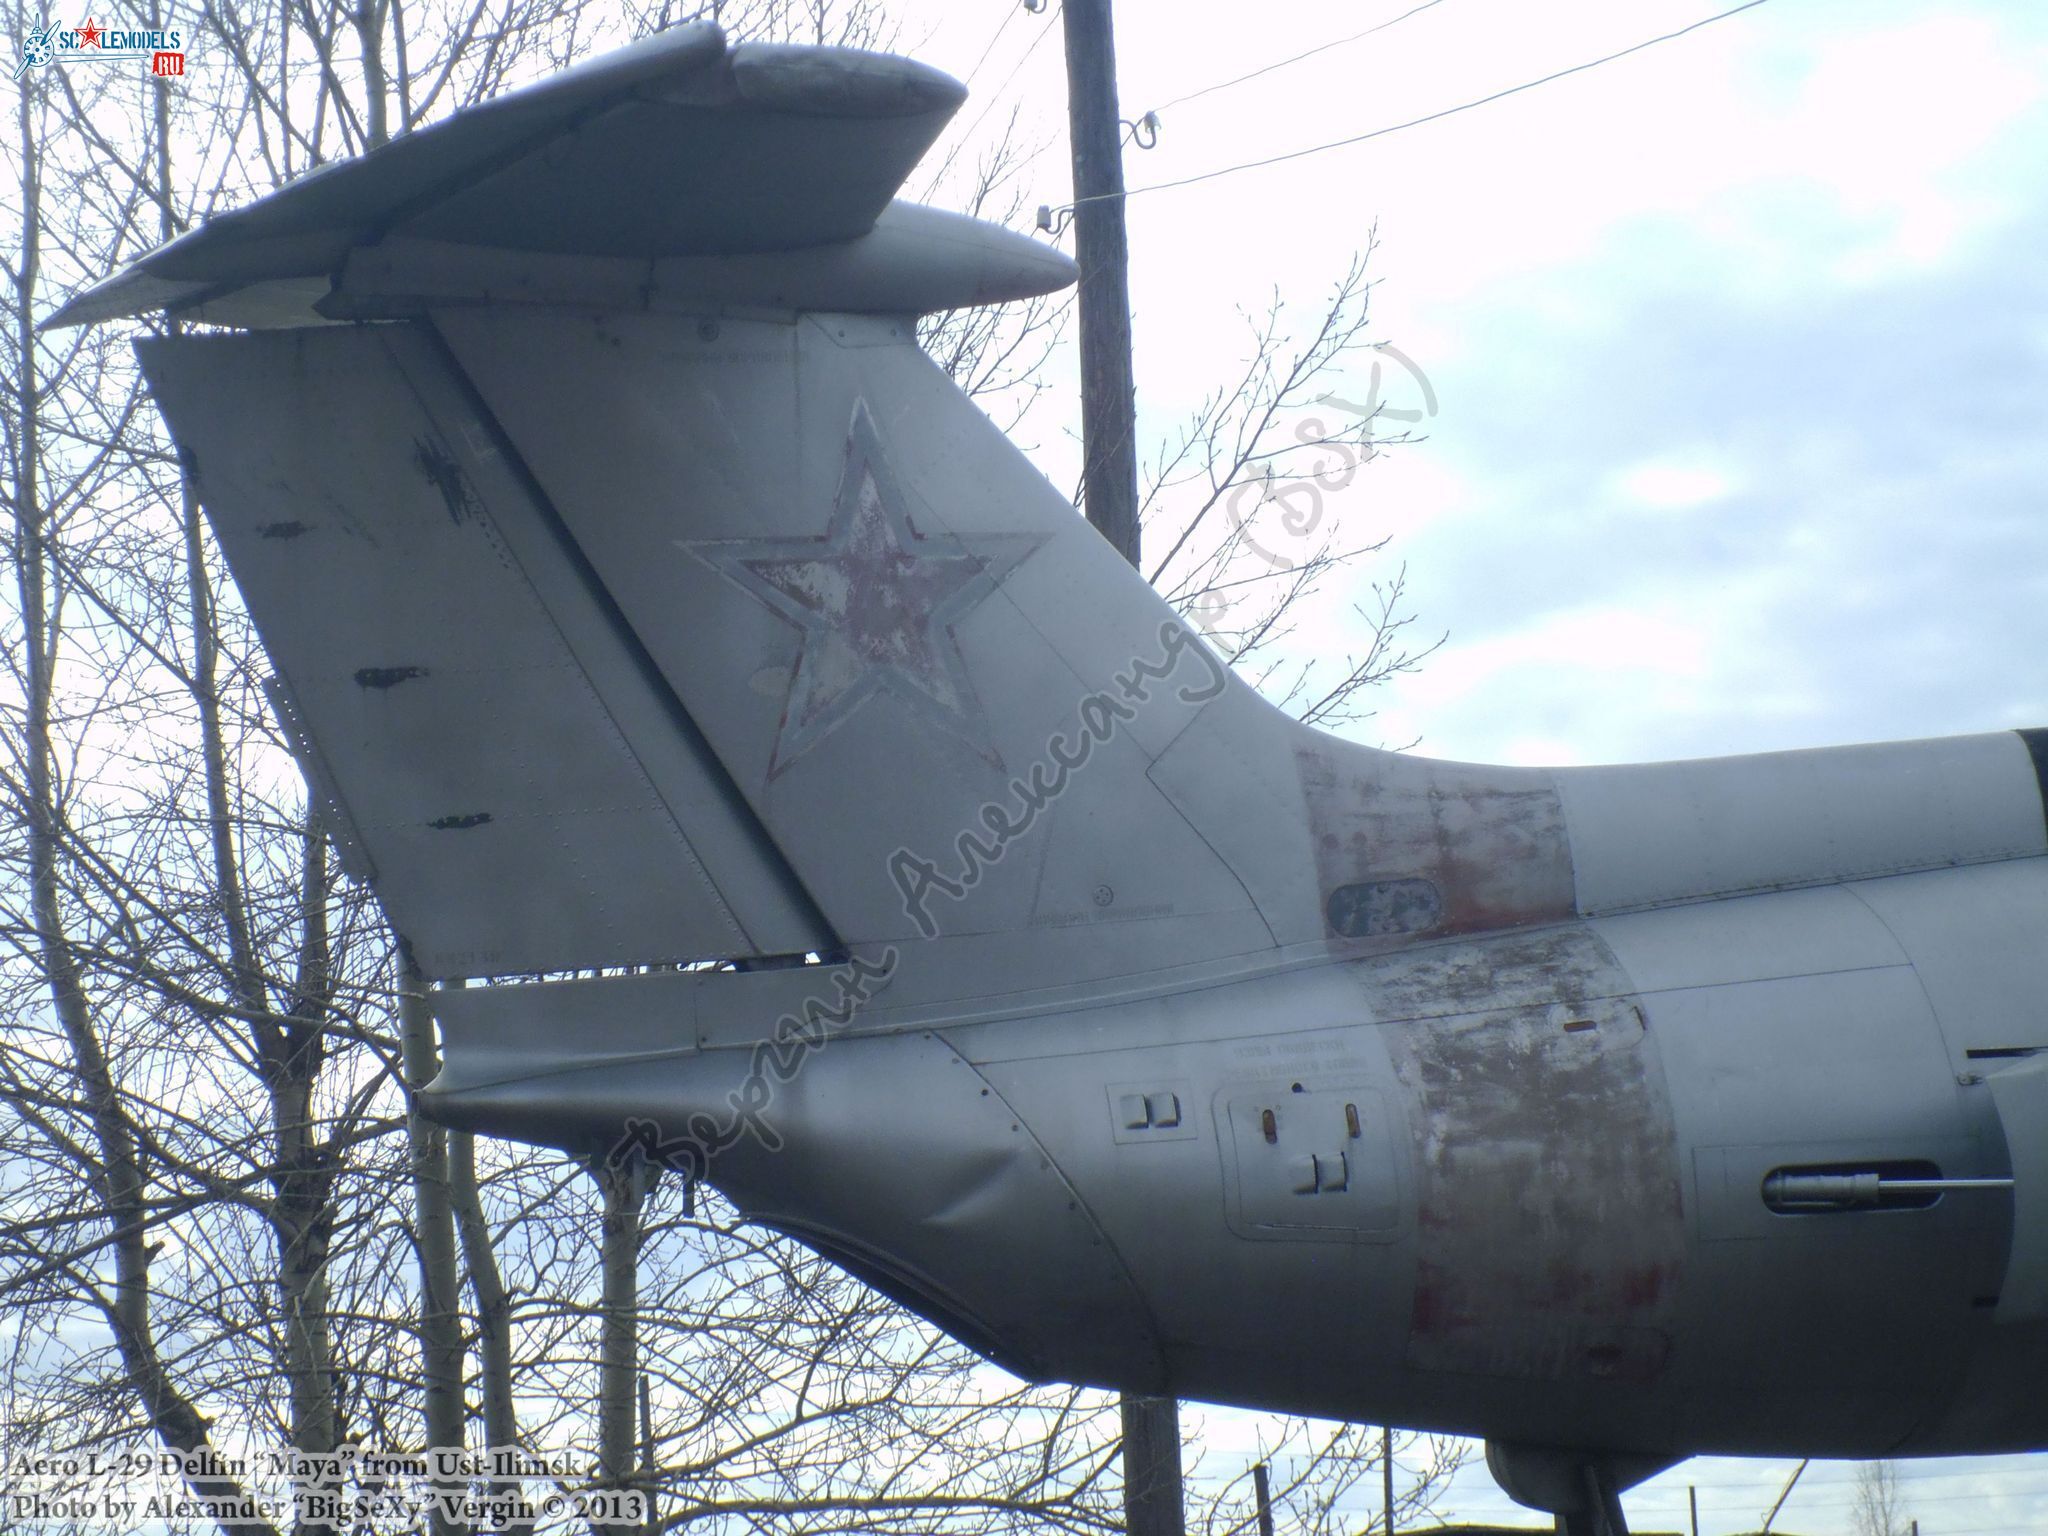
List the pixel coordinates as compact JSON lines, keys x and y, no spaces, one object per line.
{"x":1309,"y":1163}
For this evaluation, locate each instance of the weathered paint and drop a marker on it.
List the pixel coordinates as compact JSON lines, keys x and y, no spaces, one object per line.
{"x":1550,"y":1213}
{"x":1377,"y":909}
{"x":872,"y":604}
{"x":438,"y":465}
{"x":386,"y":677}
{"x":1490,"y":841}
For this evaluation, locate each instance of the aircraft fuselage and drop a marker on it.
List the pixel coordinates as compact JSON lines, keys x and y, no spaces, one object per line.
{"x":1509,"y":1185}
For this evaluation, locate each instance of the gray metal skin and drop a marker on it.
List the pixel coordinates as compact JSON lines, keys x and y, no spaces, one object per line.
{"x":674,"y":646}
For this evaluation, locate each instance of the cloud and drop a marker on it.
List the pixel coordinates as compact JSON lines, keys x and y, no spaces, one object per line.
{"x":1836,"y":491}
{"x":1666,"y":484}
{"x":1741,"y":339}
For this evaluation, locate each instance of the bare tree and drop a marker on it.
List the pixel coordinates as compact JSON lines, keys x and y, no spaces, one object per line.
{"x":1324,"y":1476}
{"x":1239,"y":500}
{"x":1880,"y":1501}
{"x":176,"y":905}
{"x":220,"y":1213}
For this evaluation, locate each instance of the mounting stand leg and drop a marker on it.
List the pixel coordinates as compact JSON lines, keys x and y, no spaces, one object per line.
{"x":1599,"y":1514}
{"x":1581,"y":1489}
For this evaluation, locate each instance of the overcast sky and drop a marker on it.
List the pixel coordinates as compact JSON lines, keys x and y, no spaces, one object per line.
{"x":1740,"y":353}
{"x":1737,"y":343}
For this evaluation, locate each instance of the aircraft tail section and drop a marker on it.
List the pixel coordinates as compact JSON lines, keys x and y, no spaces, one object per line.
{"x":624,"y":638}
{"x":641,"y":594}
{"x":627,"y":639}
{"x":644,"y":595}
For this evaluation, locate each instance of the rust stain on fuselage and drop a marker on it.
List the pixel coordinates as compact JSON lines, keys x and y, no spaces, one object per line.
{"x":1550,"y":1224}
{"x":1491,"y":841}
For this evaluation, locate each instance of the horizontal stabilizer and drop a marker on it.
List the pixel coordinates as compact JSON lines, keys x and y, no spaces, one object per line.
{"x":677,"y":149}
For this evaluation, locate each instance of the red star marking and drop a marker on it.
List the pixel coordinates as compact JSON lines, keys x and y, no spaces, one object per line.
{"x":875,"y":601}
{"x":89,"y":34}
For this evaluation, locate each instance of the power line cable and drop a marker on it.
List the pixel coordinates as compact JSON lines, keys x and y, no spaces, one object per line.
{"x":966,"y":135}
{"x":1224,"y":85}
{"x":1010,"y":13}
{"x":1844,"y":1476}
{"x":996,"y":95}
{"x":1416,"y":122}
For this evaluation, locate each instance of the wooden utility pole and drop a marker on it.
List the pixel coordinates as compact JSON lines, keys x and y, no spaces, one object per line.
{"x":1109,"y":492}
{"x":1152,"y":1490}
{"x":1387,"y":1475}
{"x":1109,"y":446}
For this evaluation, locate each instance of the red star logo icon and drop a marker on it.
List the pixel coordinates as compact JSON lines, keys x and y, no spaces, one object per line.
{"x":874,"y":600}
{"x":89,"y":34}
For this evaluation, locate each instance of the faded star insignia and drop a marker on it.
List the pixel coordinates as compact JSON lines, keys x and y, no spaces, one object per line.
{"x":875,"y":602}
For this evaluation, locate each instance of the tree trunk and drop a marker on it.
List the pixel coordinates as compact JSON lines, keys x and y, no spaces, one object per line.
{"x":625,"y":1191}
{"x":440,"y":1330}
{"x":119,"y":1177}
{"x":493,"y":1304}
